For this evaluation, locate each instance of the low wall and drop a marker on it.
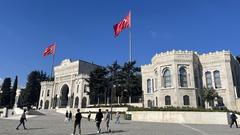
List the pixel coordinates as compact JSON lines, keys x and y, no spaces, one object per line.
{"x":181,"y":117}
{"x":114,"y":109}
{"x":93,"y":110}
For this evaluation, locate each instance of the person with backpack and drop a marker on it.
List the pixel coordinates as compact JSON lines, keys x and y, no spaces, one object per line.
{"x":234,"y":119}
{"x":98,"y":120}
{"x":77,"y":122}
{"x":70,"y":116}
{"x":66,"y":117}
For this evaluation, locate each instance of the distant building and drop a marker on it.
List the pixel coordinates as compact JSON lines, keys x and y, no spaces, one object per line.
{"x":69,"y":88}
{"x":175,"y":78}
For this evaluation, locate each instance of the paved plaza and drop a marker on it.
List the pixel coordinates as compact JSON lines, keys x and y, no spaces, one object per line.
{"x":53,"y":124}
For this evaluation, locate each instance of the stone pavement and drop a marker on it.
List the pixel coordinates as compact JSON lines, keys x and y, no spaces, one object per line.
{"x":53,"y":124}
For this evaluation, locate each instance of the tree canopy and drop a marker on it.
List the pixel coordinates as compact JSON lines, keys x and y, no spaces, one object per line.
{"x":5,"y":95}
{"x":116,"y":83}
{"x":30,"y":95}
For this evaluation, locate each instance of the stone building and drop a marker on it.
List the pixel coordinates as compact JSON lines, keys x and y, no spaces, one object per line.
{"x":175,"y":78}
{"x":69,"y":88}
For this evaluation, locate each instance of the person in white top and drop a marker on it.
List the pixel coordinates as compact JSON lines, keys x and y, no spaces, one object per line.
{"x":117,"y":116}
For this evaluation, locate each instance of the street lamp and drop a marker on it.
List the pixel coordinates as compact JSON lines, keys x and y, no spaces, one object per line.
{"x":114,"y":86}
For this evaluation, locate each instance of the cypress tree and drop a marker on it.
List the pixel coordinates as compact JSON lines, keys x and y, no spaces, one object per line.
{"x":5,"y":96}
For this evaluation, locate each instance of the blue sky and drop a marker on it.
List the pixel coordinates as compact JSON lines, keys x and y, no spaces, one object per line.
{"x":83,"y":30}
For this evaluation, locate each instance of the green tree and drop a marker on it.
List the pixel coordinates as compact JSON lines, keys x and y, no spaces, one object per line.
{"x":5,"y":96}
{"x":114,"y":84}
{"x":131,"y":79}
{"x":30,"y":95}
{"x":208,"y":96}
{"x":98,"y":85}
{"x":13,"y":92}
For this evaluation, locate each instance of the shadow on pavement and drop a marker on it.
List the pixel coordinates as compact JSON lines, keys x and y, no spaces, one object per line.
{"x":34,"y":128}
{"x":122,"y":123}
{"x":116,"y":131}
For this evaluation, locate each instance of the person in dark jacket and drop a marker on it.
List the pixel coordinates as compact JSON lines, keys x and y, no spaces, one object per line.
{"x":22,"y":119}
{"x":70,"y":117}
{"x":77,"y":122}
{"x":66,"y":117}
{"x":98,"y":120}
{"x":234,"y":119}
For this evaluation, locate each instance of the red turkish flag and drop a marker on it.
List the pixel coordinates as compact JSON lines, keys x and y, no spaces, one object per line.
{"x":49,"y":50}
{"x":125,"y":23}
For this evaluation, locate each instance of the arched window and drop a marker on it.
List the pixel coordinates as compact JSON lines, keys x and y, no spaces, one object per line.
{"x":76,"y":102}
{"x":85,"y":88}
{"x":48,"y":93}
{"x":167,"y":100}
{"x":183,"y":77}
{"x":149,"y":103}
{"x":156,"y":101}
{"x":208,"y":79}
{"x":77,"y":88}
{"x":167,"y":78}
{"x":217,"y":79}
{"x":156,"y":83}
{"x":152,"y":85}
{"x":186,"y":100}
{"x":149,"y":90}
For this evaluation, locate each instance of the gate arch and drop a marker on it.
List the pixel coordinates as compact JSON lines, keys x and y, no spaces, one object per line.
{"x":64,"y":96}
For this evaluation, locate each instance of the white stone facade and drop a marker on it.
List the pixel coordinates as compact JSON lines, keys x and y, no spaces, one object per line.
{"x":175,"y":78}
{"x":69,"y":88}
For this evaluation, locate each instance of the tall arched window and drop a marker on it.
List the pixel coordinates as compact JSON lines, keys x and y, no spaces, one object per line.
{"x":152,"y":85}
{"x":149,"y":103}
{"x":217,"y":79}
{"x":156,"y":83}
{"x":149,"y":85}
{"x":48,"y":93}
{"x":183,"y":77}
{"x":156,"y":101}
{"x":208,"y":79}
{"x":76,"y":102}
{"x":167,"y":100}
{"x":186,"y":100}
{"x":167,"y":78}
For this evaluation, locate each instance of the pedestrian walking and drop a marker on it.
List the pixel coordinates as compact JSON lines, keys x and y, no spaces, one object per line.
{"x":107,"y":120}
{"x":66,"y":117}
{"x":70,"y":117}
{"x":22,"y":120}
{"x":117,"y":116}
{"x":89,"y":116}
{"x":98,"y":120}
{"x":234,"y":119}
{"x":77,"y":122}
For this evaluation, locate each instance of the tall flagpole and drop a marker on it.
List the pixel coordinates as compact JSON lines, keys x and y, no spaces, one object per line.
{"x":130,"y":45}
{"x":130,"y":50}
{"x":53,"y":59}
{"x":52,"y":65}
{"x":53,"y":96}
{"x":130,"y":38}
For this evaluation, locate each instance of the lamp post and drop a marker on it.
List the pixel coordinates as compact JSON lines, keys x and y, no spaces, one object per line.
{"x":114,"y":86}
